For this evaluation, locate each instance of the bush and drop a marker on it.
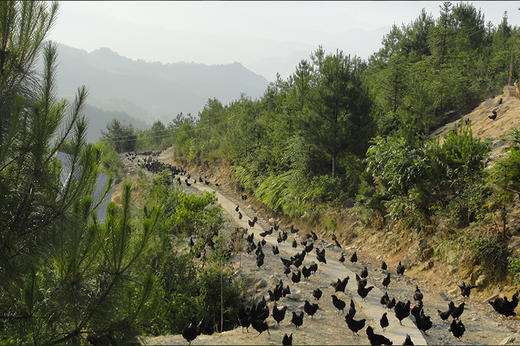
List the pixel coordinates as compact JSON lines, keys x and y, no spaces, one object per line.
{"x":513,"y":265}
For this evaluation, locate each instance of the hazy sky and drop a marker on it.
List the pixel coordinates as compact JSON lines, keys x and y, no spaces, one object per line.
{"x":267,"y":37}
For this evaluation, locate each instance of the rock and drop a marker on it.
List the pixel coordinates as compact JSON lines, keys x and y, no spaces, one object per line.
{"x":481,"y":281}
{"x":271,"y":221}
{"x":261,"y":284}
{"x":443,"y":296}
{"x":407,"y":263}
{"x":509,"y":91}
{"x":509,"y":340}
{"x":294,"y":296}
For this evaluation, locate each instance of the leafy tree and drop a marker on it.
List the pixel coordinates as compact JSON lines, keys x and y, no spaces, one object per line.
{"x":123,"y":137}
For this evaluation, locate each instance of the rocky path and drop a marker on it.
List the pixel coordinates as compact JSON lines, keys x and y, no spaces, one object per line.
{"x":328,"y":326}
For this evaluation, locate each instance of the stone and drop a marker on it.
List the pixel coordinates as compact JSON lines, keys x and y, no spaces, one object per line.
{"x":261,"y":284}
{"x":443,"y":296}
{"x":481,"y":281}
{"x":453,"y":291}
{"x":509,"y":340}
{"x":294,"y":296}
{"x":509,"y":91}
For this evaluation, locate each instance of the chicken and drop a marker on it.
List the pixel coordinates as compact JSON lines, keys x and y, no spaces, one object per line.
{"x":317,"y":293}
{"x":260,"y":326}
{"x":402,"y":310}
{"x":444,"y":315}
{"x":297,"y":320}
{"x":504,"y":306}
{"x":465,"y":291}
{"x":457,"y":328}
{"x":391,"y":303}
{"x":386,"y":281}
{"x":353,"y":258}
{"x":400,"y":269}
{"x":423,"y":322}
{"x":457,"y":311}
{"x":408,"y":341}
{"x":363,"y":291}
{"x":294,"y":243}
{"x":383,"y":322}
{"x":342,"y":258}
{"x":384,"y":299}
{"x":383,"y":265}
{"x":377,"y":339}
{"x":279,"y":314}
{"x":306,"y":272}
{"x":287,"y":340}
{"x":310,"y":309}
{"x":364,"y":272}
{"x":418,"y":294}
{"x":296,"y":277}
{"x":352,"y":310}
{"x":354,"y":325}
{"x":190,"y":332}
{"x":494,"y":116}
{"x":275,"y":250}
{"x":338,"y":303}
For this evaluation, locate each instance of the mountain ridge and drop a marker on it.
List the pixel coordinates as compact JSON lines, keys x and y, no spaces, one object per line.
{"x":161,"y":90}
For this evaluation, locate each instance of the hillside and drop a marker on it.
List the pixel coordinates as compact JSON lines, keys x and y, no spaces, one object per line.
{"x":98,"y":120}
{"x":150,"y":91}
{"x":508,"y":117}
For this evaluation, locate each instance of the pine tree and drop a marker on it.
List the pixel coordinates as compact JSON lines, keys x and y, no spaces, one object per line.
{"x":62,"y":272}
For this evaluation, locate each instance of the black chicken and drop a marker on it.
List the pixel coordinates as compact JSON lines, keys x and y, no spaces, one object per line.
{"x":457,"y":311}
{"x":418,"y":294}
{"x":259,"y":261}
{"x":408,"y":341}
{"x":384,"y":299}
{"x":237,"y":208}
{"x":377,"y":339}
{"x":402,"y":310}
{"x":296,"y":277}
{"x":363,"y":291}
{"x":190,"y":332}
{"x":339,"y":286}
{"x":364,"y":272}
{"x":287,"y":271}
{"x":391,"y":303}
{"x":239,"y":215}
{"x":386,"y":280}
{"x":310,"y":309}
{"x":353,"y":258}
{"x":423,"y":322}
{"x":317,"y":293}
{"x":352,"y":310}
{"x":308,"y":248}
{"x":504,"y":306}
{"x":294,"y":243}
{"x":457,"y":328}
{"x":279,"y":314}
{"x":445,"y":314}
{"x":297,"y":320}
{"x":465,"y":290}
{"x":338,"y":303}
{"x":494,"y":116}
{"x":251,"y":223}
{"x":275,"y":250}
{"x":342,"y":258}
{"x":354,"y":325}
{"x":286,"y":262}
{"x":400,"y":269}
{"x":260,"y":326}
{"x":306,"y":272}
{"x":383,"y":265}
{"x":383,"y":322}
{"x":287,"y":340}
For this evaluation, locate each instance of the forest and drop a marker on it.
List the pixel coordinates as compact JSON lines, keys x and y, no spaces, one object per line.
{"x":339,"y":133}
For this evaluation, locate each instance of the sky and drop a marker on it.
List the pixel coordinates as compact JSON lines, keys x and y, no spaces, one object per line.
{"x":267,"y":37}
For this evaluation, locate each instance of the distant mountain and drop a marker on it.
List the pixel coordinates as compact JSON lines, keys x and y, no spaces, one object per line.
{"x":151,"y":91}
{"x":99,"y":118}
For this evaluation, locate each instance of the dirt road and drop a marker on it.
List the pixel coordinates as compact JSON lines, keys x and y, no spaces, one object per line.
{"x":328,"y":325}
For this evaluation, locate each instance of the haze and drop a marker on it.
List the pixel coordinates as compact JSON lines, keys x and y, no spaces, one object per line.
{"x":266,"y":37}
